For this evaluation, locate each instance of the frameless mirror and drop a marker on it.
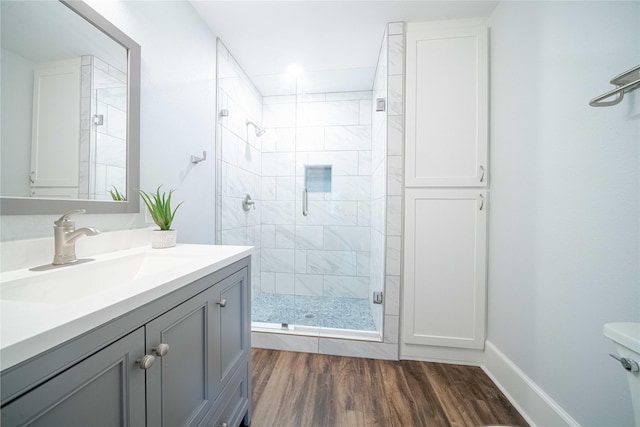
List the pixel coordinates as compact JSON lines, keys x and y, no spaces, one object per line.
{"x":70,"y":110}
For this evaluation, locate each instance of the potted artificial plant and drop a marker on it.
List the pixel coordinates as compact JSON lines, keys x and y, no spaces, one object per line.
{"x":159,"y":206}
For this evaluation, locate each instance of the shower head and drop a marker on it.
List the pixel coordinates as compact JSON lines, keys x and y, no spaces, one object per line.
{"x":259,"y":131}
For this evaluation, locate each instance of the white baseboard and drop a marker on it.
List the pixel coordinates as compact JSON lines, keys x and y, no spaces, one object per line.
{"x":537,"y":407}
{"x":431,"y":353}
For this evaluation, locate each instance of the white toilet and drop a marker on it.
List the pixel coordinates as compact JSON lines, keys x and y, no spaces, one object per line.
{"x":626,"y":337}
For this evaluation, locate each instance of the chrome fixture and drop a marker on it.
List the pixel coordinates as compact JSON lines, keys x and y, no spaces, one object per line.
{"x":377,"y":297}
{"x":146,"y":362}
{"x":625,"y":82}
{"x":259,"y":131}
{"x":65,"y":236}
{"x":195,"y":159}
{"x":305,"y":202}
{"x":628,"y":364}
{"x":247,"y":203}
{"x":161,"y":350}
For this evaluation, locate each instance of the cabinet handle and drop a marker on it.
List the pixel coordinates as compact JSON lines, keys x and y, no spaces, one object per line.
{"x":482,"y":172}
{"x":161,"y":350}
{"x":222,"y":303}
{"x":481,"y":202}
{"x":146,"y":361}
{"x":223,"y":425}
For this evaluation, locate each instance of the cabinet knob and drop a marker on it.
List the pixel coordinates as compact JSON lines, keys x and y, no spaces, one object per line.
{"x":146,"y":361}
{"x":161,"y":349}
{"x":222,"y":303}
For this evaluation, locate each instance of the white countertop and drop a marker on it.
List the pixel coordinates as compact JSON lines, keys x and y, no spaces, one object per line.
{"x":28,"y":328}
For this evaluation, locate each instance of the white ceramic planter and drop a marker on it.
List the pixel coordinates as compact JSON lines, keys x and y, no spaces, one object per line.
{"x":161,"y":239}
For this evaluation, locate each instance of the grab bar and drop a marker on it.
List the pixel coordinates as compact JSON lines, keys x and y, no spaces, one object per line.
{"x":625,"y":82}
{"x":305,"y":202}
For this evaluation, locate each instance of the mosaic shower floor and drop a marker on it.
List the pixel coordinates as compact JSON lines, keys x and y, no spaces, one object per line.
{"x":326,"y":312}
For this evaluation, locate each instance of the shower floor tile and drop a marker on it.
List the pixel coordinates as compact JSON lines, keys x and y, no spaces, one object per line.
{"x":327,"y":312}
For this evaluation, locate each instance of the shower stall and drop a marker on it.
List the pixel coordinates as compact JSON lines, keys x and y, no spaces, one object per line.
{"x":301,"y":176}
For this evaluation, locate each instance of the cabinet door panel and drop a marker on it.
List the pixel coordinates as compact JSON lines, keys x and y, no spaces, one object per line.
{"x":233,"y":322}
{"x":179,"y":384}
{"x":106,"y":389}
{"x":445,"y":258}
{"x":446,"y":128}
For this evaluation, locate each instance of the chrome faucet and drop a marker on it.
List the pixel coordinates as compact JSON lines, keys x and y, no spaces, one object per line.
{"x":65,"y":236}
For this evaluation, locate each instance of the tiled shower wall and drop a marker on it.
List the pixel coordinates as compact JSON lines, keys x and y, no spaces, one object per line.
{"x":326,"y":253}
{"x":395,"y":162}
{"x":239,"y":159}
{"x":103,"y":148}
{"x":378,"y":183}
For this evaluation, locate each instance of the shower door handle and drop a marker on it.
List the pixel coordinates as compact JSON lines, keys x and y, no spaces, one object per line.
{"x":305,"y":202}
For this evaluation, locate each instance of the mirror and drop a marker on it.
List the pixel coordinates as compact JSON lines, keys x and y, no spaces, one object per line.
{"x":71,"y":109}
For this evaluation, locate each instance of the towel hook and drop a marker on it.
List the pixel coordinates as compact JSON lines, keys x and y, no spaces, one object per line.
{"x":195,"y":160}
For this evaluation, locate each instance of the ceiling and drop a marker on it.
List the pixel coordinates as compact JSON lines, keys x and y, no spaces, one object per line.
{"x":336,"y":42}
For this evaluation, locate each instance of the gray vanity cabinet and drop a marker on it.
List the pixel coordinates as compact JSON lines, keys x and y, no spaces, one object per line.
{"x":206,"y":345}
{"x":180,"y":383}
{"x":106,"y":389}
{"x":199,"y":340}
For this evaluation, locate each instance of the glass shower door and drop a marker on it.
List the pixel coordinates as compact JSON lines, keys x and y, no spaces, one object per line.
{"x":332,"y":221}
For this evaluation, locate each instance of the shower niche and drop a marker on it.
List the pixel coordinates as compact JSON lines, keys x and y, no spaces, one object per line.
{"x":317,"y":179}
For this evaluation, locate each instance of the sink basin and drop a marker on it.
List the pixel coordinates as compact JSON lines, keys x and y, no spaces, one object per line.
{"x":72,"y":283}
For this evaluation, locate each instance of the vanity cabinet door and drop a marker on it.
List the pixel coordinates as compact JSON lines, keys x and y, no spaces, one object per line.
{"x":181,"y":384}
{"x":106,"y":389}
{"x":234,"y":322}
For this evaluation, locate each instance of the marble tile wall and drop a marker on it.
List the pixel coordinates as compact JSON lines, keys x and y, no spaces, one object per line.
{"x":103,"y":147}
{"x":392,"y":224}
{"x":239,"y":163}
{"x":378,"y":187}
{"x":326,"y":253}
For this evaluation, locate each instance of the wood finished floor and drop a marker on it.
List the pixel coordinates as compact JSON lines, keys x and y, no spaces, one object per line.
{"x":302,"y":389}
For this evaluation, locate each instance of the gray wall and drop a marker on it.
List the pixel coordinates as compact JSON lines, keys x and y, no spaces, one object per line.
{"x":565,"y":199}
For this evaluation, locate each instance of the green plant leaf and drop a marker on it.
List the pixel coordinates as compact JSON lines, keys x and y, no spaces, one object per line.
{"x":159,"y":205}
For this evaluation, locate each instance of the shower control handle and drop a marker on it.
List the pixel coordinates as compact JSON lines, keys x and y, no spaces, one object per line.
{"x":247,"y":203}
{"x":305,"y":202}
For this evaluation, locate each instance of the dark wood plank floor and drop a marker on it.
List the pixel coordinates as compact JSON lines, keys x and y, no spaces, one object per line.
{"x":301,"y":389}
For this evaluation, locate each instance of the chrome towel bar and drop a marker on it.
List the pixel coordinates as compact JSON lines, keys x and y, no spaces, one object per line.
{"x":625,"y":82}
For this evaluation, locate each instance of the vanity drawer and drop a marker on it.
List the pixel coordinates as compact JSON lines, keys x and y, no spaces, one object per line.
{"x":234,"y":406}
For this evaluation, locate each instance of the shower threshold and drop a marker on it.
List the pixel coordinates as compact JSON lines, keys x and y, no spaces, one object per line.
{"x":316,"y":331}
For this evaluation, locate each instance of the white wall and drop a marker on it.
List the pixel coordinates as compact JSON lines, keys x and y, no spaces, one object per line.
{"x":177,"y":111}
{"x":565,"y":200}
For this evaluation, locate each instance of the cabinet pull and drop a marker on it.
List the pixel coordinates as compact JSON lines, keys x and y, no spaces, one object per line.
{"x":482,"y":172}
{"x":223,"y":425}
{"x":481,"y":202}
{"x":146,"y":362}
{"x":161,"y":350}
{"x":222,"y":303}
